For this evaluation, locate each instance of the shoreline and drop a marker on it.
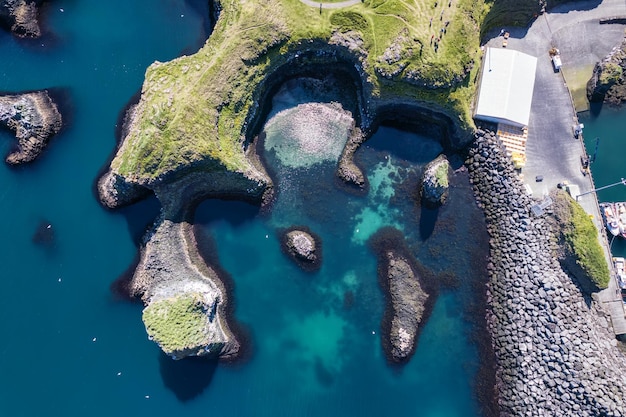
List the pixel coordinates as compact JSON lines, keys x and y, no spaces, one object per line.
{"x":554,"y":354}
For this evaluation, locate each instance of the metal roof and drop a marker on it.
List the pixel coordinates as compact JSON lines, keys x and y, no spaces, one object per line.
{"x":506,"y":87}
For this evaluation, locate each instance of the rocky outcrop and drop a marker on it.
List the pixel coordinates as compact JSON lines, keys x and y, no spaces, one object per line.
{"x":185,"y":298}
{"x":347,"y":170}
{"x":302,"y":246}
{"x":20,"y":16}
{"x":608,"y":84}
{"x":35,"y":118}
{"x":434,"y":185}
{"x":407,"y":295}
{"x":555,"y":354}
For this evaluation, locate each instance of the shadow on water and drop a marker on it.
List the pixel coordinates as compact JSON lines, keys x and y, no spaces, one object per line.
{"x":140,"y":216}
{"x":44,"y":234}
{"x":428,"y":219}
{"x":186,"y":378}
{"x":233,"y":212}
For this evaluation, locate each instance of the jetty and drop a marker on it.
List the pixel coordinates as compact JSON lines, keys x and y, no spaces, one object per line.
{"x":553,"y":152}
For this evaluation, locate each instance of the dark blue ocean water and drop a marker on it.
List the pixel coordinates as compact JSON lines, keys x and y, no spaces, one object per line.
{"x":71,"y":348}
{"x":609,"y":126}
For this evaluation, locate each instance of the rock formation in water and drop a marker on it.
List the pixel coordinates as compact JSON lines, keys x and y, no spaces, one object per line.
{"x":408,"y":302}
{"x":302,"y":246}
{"x":555,"y":353}
{"x":434,"y":185}
{"x":35,"y":118}
{"x":185,"y":299}
{"x":20,"y":16}
{"x":608,"y":84}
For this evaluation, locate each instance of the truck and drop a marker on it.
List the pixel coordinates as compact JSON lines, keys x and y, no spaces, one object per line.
{"x":556,"y":62}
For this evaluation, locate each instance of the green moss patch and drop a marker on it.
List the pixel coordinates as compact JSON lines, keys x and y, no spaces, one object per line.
{"x":580,"y":237}
{"x":177,"y":323}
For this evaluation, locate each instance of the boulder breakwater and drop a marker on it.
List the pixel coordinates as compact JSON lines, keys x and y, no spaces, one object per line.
{"x":555,"y":353}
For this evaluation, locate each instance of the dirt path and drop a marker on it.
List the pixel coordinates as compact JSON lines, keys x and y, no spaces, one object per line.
{"x":339,"y":5}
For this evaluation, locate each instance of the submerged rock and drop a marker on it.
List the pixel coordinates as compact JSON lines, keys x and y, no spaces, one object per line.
{"x":434,"y":187}
{"x":35,"y":118}
{"x":20,"y":16}
{"x":303,"y":247}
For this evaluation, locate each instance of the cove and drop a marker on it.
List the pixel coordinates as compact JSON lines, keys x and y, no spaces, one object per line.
{"x":72,"y":348}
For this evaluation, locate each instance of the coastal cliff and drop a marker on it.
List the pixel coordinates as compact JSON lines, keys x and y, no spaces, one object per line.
{"x":555,"y":353}
{"x":34,"y":118}
{"x":21,"y":17}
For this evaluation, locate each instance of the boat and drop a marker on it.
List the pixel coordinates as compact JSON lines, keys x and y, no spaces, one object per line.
{"x":610,"y":218}
{"x":620,"y":208}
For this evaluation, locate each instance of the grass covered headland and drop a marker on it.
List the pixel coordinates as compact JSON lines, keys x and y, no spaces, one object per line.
{"x":198,"y":110}
{"x":580,"y":239}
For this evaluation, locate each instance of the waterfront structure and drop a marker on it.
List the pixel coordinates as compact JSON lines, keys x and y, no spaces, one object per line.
{"x":504,"y":97}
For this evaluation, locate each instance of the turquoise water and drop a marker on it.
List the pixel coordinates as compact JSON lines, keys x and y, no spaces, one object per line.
{"x":71,"y":348}
{"x":609,"y":126}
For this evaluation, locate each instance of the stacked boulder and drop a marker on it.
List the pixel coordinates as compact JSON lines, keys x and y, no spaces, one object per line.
{"x":555,"y":354}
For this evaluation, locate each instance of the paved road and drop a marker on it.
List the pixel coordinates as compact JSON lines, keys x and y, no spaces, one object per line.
{"x":551,"y":149}
{"x":331,"y":5}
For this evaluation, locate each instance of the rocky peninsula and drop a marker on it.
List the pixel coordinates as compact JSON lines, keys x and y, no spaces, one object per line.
{"x":21,"y":17}
{"x":34,"y":118}
{"x":555,"y":353}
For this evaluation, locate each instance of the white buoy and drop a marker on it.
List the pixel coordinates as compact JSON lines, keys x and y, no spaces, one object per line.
{"x":147,"y":396}
{"x":93,"y":340}
{"x":59,"y":279}
{"x":119,"y":373}
{"x":61,"y":10}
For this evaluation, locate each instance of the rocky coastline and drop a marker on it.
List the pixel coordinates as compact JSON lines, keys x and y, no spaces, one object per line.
{"x":555,"y":353}
{"x":34,"y":118}
{"x":21,"y":17}
{"x":608,"y":81}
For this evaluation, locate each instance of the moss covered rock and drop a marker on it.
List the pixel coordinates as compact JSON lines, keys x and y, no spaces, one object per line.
{"x":180,"y":325}
{"x":434,"y":186}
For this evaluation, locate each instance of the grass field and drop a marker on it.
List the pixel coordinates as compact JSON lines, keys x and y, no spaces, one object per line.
{"x":195,"y":109}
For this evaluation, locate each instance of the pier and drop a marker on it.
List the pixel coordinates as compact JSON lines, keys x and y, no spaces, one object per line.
{"x":552,"y":150}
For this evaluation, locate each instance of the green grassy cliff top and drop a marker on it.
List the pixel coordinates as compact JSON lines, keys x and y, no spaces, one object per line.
{"x":196,"y":109}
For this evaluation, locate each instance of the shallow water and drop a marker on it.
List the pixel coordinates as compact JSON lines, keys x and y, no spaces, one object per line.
{"x":71,"y":348}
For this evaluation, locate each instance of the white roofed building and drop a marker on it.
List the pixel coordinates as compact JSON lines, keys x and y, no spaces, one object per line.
{"x":504,"y":97}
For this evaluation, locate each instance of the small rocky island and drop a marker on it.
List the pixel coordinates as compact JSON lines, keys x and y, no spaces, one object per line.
{"x":21,"y":17}
{"x":35,"y":118}
{"x":409,"y":299}
{"x":434,"y":186}
{"x":303,"y":247}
